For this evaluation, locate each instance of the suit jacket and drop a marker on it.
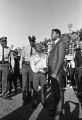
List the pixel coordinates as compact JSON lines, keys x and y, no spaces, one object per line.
{"x":55,"y":66}
{"x":56,"y":58}
{"x":78,"y":57}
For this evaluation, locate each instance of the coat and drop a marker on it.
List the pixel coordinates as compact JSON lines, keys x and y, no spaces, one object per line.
{"x":56,"y":58}
{"x":55,"y":69}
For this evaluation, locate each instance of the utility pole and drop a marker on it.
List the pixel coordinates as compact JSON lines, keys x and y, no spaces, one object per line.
{"x":3,"y":41}
{"x":70,"y":27}
{"x":2,"y":54}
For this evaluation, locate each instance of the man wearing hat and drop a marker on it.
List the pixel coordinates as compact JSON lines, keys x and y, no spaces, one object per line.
{"x":38,"y":65}
{"x":26,"y":70}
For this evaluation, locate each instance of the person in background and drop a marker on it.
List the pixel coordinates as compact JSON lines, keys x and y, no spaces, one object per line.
{"x":5,"y":73}
{"x":11,"y":70}
{"x":0,"y":66}
{"x":78,"y":66}
{"x":16,"y":71}
{"x":72,"y":64}
{"x":39,"y":65}
{"x":27,"y":74}
{"x":64,"y":77}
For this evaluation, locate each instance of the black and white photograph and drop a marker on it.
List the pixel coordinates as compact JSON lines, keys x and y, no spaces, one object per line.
{"x":40,"y":59}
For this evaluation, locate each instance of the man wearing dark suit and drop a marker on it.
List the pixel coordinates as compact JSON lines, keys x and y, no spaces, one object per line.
{"x":55,"y":66}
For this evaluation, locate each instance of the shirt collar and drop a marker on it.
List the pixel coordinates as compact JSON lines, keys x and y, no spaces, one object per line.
{"x":57,"y":40}
{"x":37,"y":55}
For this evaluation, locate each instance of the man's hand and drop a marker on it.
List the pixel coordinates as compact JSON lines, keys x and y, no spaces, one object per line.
{"x":21,"y":71}
{"x":45,"y":70}
{"x":54,"y":75}
{"x":12,"y":70}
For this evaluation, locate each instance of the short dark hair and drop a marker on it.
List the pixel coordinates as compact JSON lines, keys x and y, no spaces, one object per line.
{"x":57,"y":31}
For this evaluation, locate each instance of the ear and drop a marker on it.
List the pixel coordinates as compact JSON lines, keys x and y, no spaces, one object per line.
{"x":57,"y":35}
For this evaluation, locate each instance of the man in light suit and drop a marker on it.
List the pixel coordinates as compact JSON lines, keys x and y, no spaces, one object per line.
{"x":55,"y":66}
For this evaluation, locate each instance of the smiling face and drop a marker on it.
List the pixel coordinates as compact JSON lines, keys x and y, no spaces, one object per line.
{"x":38,"y":48}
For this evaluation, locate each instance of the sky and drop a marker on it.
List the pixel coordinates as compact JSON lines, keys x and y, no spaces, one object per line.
{"x":21,"y":18}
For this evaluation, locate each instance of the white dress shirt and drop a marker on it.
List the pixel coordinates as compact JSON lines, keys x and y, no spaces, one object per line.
{"x":25,"y":55}
{"x":49,"y":46}
{"x":0,"y":52}
{"x":56,"y":41}
{"x":11,"y":60}
{"x":50,"y":43}
{"x":72,"y":63}
{"x":6,"y":53}
{"x":38,"y":63}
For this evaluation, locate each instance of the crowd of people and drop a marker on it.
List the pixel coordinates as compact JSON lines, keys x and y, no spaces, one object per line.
{"x":43,"y":63}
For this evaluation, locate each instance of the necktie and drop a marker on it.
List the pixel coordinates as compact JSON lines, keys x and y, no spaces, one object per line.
{"x":31,"y":51}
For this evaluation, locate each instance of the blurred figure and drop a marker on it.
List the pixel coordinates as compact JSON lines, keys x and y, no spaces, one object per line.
{"x":0,"y":66}
{"x":64,"y":76}
{"x":11,"y":70}
{"x":5,"y":73}
{"x":72,"y":64}
{"x":78,"y":65}
{"x":16,"y":71}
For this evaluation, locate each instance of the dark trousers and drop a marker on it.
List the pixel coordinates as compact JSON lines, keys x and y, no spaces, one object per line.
{"x":5,"y":72}
{"x":39,"y":78}
{"x":0,"y":75}
{"x":53,"y":97}
{"x":27,"y":77}
{"x":79,"y":81}
{"x":13,"y":79}
{"x":0,"y":79}
{"x":20,"y":77}
{"x":72,"y":76}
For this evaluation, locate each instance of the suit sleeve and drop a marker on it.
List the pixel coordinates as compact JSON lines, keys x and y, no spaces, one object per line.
{"x":61,"y":55}
{"x":76,"y":59}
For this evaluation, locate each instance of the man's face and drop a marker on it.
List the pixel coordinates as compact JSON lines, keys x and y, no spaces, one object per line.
{"x":54,"y":35}
{"x":32,"y":43}
{"x":38,"y":48}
